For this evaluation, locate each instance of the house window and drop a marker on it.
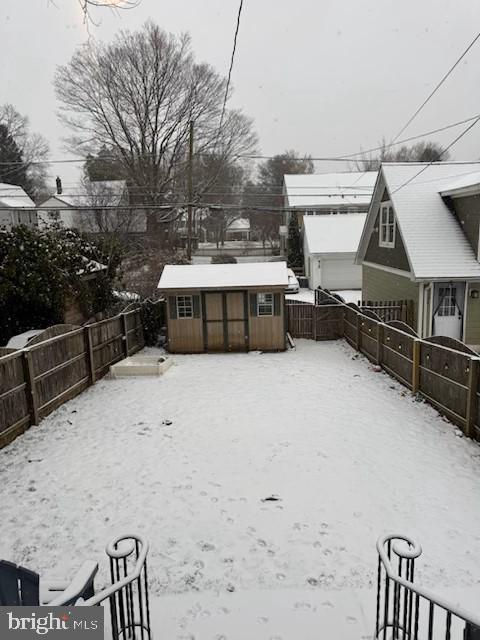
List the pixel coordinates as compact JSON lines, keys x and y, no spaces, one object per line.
{"x":448,"y":304}
{"x":53,"y":215}
{"x":184,"y":307}
{"x":387,"y":226}
{"x":265,"y":304}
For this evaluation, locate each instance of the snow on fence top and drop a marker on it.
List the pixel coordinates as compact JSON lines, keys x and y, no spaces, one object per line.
{"x":223,"y":276}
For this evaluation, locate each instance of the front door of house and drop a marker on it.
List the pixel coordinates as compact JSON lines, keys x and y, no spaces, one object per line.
{"x":448,"y":307}
{"x":225,"y":320}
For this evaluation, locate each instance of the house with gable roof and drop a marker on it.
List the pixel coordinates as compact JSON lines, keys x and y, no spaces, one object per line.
{"x":421,"y":242}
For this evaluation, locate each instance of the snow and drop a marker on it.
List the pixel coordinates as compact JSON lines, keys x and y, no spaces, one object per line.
{"x":19,"y":341}
{"x":333,"y":233}
{"x":349,"y":453}
{"x":435,"y":243}
{"x":352,"y":188}
{"x":12,"y":195}
{"x":304,"y":295}
{"x":350,"y":295}
{"x":205,"y":276}
{"x":308,"y":295}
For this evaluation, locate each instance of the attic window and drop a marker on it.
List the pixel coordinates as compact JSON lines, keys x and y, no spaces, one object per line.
{"x":387,"y":225}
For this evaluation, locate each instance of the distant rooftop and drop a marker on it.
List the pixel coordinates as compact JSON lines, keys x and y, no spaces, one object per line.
{"x":11,"y":195}
{"x":221,"y":276}
{"x":353,"y":188}
{"x":99,"y":193}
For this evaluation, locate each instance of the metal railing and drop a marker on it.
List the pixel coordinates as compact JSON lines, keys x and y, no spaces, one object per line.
{"x":128,"y":593}
{"x":406,"y":610}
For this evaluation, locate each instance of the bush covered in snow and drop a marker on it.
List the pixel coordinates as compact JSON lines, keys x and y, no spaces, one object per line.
{"x":41,"y":270}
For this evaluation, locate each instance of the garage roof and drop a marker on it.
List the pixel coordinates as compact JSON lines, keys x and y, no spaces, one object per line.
{"x":224,"y":276}
{"x":350,"y":188}
{"x":338,"y":233}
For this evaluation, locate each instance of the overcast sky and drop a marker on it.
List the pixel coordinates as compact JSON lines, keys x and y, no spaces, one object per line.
{"x":324,"y":77}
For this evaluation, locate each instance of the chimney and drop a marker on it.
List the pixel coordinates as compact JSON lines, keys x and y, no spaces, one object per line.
{"x":59,"y":185}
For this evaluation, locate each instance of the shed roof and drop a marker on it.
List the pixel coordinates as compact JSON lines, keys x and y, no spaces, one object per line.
{"x":436,"y":245}
{"x":352,"y":188}
{"x":339,"y":233}
{"x":224,"y":276}
{"x":11,"y":195}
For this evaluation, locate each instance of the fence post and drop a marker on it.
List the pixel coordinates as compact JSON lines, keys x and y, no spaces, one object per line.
{"x":380,"y":338}
{"x":472,"y":401}
{"x":30,"y":380}
{"x":359,"y":331}
{"x":125,"y":334}
{"x":89,"y":350}
{"x":417,"y":345}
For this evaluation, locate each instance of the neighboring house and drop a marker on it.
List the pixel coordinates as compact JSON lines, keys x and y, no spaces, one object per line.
{"x":314,"y":194}
{"x":421,"y":242}
{"x":225,"y":307}
{"x":66,"y":208}
{"x":330,"y":245}
{"x":238,"y":229}
{"x":16,"y":207}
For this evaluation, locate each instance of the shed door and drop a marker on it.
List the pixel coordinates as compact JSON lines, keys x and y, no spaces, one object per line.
{"x":214,"y":322}
{"x":225,"y":320}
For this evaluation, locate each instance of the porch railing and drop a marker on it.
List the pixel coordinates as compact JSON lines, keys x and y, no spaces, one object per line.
{"x":128,"y":593}
{"x":406,"y":610}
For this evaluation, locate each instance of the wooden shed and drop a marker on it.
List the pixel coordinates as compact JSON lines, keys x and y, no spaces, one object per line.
{"x":225,"y":307}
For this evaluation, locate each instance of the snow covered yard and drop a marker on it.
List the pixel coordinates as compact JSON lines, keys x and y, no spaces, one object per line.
{"x":349,"y":454}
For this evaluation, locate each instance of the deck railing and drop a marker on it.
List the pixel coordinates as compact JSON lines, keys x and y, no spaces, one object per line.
{"x":128,"y":594}
{"x":406,"y":610}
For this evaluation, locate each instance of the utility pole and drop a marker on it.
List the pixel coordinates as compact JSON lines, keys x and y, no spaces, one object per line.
{"x":190,"y":193}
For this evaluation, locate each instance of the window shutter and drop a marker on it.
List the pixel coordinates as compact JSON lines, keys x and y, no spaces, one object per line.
{"x":196,"y":306}
{"x":172,"y":305}
{"x":276,"y":304}
{"x":253,"y":304}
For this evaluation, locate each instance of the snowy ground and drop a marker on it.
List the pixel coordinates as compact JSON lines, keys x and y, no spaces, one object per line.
{"x":347,"y":451}
{"x":308,"y":295}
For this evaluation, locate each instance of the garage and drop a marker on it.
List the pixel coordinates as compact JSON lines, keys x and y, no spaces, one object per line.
{"x":330,"y":245}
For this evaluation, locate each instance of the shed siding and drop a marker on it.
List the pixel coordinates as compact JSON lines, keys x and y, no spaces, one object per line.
{"x":472,"y":320}
{"x":467,"y":211}
{"x":395,"y":257}
{"x":185,"y":335}
{"x":382,"y":285}
{"x":267,"y":333}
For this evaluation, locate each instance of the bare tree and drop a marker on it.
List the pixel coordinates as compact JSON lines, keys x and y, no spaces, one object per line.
{"x":108,"y":212}
{"x":418,"y":152}
{"x":87,"y":5}
{"x":137,"y":96}
{"x":31,"y":173}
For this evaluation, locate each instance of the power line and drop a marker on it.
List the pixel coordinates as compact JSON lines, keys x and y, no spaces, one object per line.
{"x":437,"y":87}
{"x":470,"y":126}
{"x":344,"y":158}
{"x":229,"y":78}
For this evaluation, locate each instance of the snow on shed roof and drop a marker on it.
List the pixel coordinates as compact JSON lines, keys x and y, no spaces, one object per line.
{"x":352,"y":188}
{"x":222,"y":276}
{"x":11,"y":195}
{"x":338,"y":233}
{"x":435,"y":243}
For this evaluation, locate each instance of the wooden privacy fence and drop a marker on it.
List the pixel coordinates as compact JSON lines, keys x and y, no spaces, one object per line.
{"x":388,"y":310}
{"x":449,"y":379}
{"x":314,"y":322}
{"x":36,"y":380}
